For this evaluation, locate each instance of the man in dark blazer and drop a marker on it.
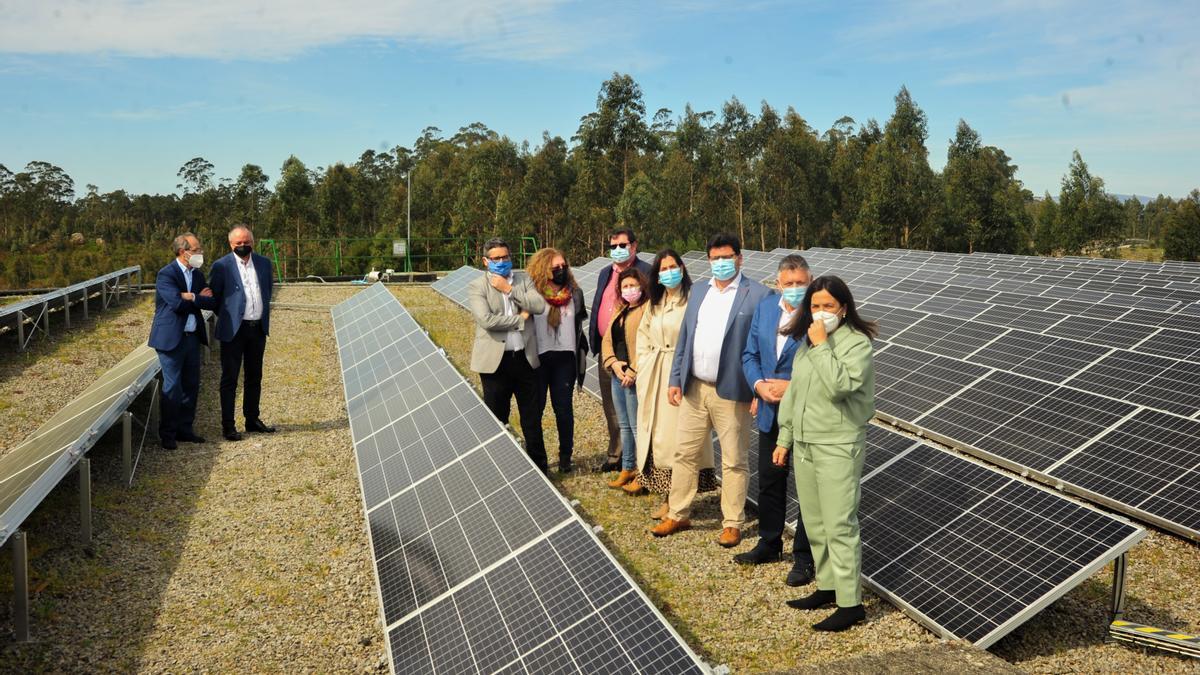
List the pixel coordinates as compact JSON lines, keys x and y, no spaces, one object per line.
{"x":622,"y":249}
{"x":177,"y":333}
{"x":241,"y":282}
{"x":711,"y":391}
{"x":767,"y":364}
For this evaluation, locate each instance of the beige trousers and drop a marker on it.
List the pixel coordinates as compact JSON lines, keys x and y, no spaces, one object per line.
{"x":700,"y":413}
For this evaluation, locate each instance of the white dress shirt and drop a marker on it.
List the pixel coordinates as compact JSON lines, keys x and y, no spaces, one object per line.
{"x":561,"y":339}
{"x":250,"y":287}
{"x":515,"y":340}
{"x":710,"y":329}
{"x":190,"y":326}
{"x":785,"y":317}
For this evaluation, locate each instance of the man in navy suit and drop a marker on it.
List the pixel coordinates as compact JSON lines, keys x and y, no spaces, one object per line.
{"x":622,"y":248}
{"x":767,"y":364}
{"x":711,"y":391}
{"x":241,"y":282}
{"x":177,"y":333}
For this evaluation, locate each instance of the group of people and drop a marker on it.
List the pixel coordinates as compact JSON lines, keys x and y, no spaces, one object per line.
{"x":679,"y":363}
{"x":240,"y":295}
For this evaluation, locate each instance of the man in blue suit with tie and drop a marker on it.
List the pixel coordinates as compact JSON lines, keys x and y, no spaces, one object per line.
{"x":711,"y":391}
{"x":767,"y":364}
{"x":241,"y":282}
{"x":177,"y":333}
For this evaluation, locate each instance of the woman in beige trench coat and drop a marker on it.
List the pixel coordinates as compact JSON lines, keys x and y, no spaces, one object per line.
{"x":657,"y":420}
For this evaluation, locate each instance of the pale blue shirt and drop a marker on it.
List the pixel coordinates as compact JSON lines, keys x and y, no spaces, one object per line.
{"x":190,"y":326}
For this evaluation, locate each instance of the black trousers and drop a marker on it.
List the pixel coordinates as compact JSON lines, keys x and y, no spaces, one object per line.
{"x":558,"y":378}
{"x":515,"y":376}
{"x":772,"y":500}
{"x":245,"y":349}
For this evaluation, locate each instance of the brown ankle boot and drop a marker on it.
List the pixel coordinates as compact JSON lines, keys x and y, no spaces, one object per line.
{"x":622,"y":479}
{"x":634,"y":488}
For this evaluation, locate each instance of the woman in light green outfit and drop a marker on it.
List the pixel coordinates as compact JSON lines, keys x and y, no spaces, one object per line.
{"x":823,"y":418}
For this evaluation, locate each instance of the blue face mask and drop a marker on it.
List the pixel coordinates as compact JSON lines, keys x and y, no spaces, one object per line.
{"x":501,"y":268}
{"x":671,"y":278}
{"x":723,"y":270}
{"x":619,"y":254}
{"x":794,"y":296}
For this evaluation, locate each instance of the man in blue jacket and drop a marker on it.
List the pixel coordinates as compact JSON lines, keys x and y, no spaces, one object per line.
{"x":177,"y":333}
{"x":241,"y":282}
{"x":622,"y":249}
{"x":711,"y":391}
{"x":767,"y":364}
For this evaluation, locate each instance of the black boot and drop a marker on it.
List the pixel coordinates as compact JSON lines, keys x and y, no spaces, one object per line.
{"x":757,"y":556}
{"x":842,"y":619}
{"x":801,"y":573}
{"x":817,"y":600}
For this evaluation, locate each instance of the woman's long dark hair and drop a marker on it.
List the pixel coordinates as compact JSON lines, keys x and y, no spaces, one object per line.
{"x":657,"y":290}
{"x":798,"y":328}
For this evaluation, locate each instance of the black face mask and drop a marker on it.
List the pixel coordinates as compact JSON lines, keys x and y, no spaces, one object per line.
{"x":242,"y":251}
{"x":560,"y":277}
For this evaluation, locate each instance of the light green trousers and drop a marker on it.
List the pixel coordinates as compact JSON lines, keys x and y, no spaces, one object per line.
{"x":828,"y":489}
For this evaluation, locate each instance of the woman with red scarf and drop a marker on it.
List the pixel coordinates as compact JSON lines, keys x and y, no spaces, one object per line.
{"x":562,"y":342}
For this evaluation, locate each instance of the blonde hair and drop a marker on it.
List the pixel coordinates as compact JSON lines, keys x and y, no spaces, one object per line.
{"x":540,"y":272}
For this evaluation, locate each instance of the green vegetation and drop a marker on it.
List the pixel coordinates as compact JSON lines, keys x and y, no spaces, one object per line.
{"x":768,"y":176}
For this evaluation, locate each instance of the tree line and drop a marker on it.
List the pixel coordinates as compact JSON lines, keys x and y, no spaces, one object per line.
{"x":768,"y":176}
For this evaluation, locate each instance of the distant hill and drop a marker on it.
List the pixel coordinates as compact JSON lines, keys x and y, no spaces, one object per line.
{"x":1141,"y":198}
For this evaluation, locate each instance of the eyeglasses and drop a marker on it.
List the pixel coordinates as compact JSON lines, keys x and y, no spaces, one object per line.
{"x":501,"y":258}
{"x":613,"y":247}
{"x":722,"y":257}
{"x":557,"y":268}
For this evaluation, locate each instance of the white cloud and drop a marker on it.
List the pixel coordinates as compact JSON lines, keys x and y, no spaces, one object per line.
{"x":278,"y":29}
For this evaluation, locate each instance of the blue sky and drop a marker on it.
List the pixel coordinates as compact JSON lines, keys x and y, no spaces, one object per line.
{"x":121,"y":93}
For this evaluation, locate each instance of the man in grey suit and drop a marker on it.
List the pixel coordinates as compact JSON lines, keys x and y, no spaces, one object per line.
{"x":708,"y":385}
{"x":505,"y":353}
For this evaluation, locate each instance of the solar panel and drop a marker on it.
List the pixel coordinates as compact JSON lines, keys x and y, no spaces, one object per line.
{"x":35,"y":466}
{"x":26,"y":317}
{"x":481,"y":564}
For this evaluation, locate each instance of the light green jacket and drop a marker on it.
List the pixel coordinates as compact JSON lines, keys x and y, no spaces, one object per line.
{"x":832,"y":393}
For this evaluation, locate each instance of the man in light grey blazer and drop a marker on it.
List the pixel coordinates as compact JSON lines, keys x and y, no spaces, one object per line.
{"x":710,"y":388}
{"x":505,"y":353}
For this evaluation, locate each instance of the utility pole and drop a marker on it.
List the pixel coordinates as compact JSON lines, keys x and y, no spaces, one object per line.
{"x":408,"y":234}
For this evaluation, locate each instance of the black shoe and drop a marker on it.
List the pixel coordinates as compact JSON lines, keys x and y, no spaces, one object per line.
{"x":168,"y":444}
{"x":565,"y":465}
{"x":190,"y":438}
{"x":609,"y":466}
{"x":801,"y":574}
{"x":232,"y":435}
{"x":816,"y":600}
{"x":842,"y":619}
{"x":257,"y":426}
{"x":757,"y":556}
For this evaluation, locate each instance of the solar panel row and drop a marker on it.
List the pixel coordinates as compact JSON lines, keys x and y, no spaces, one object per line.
{"x":1040,"y":402}
{"x":929,"y":561}
{"x":481,"y":564}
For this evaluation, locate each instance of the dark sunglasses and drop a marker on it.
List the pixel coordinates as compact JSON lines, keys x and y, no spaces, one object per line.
{"x":557,"y":268}
{"x":613,"y":247}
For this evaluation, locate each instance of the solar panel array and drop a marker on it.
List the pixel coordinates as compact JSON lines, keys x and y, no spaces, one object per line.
{"x":1069,"y":384}
{"x":34,"y":467}
{"x":481,"y":564}
{"x":942,"y":535}
{"x":35,"y":312}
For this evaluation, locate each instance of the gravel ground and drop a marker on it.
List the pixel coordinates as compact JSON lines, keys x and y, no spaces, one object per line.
{"x":223,"y":557}
{"x":735,"y":616}
{"x":252,"y":556}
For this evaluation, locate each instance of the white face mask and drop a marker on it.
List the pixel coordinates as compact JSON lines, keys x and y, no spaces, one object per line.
{"x":830,"y":320}
{"x":195,"y":260}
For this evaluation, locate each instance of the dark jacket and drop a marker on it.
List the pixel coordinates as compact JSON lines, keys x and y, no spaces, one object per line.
{"x":227,"y":289}
{"x":731,"y":381}
{"x":601,"y":284}
{"x":171,"y":310}
{"x":758,"y":359}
